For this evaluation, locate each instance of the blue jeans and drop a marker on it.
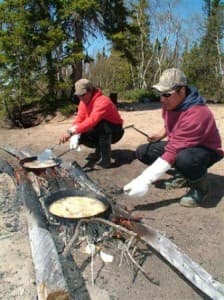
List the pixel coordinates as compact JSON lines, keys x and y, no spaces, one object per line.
{"x":191,"y":162}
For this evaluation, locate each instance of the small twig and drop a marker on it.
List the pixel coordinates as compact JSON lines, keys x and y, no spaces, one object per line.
{"x":130,"y":242}
{"x":152,"y":279}
{"x":92,"y":270}
{"x":75,"y":236}
{"x":128,"y":247}
{"x":134,"y":250}
{"x":124,"y":250}
{"x":121,"y":257}
{"x":119,"y":227}
{"x":6,"y":236}
{"x":73,"y":239}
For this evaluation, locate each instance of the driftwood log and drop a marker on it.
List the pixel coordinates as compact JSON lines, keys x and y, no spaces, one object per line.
{"x":14,"y":152}
{"x":193,"y":272}
{"x":51,"y":284}
{"x":183,"y":263}
{"x":50,"y":281}
{"x":5,"y":167}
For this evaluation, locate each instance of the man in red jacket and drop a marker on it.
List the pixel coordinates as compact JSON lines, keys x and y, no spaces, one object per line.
{"x":97,"y":124}
{"x":193,"y":142}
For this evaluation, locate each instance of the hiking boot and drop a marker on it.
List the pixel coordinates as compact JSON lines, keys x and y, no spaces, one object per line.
{"x":105,"y":164}
{"x":105,"y":151}
{"x":95,"y":156}
{"x":177,"y":181}
{"x":197,"y":194}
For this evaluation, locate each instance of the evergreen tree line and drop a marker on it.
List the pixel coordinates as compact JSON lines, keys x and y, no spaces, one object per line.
{"x":43,"y":49}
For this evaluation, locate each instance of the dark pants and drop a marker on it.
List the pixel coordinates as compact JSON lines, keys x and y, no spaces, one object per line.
{"x":104,"y":128}
{"x":191,"y":162}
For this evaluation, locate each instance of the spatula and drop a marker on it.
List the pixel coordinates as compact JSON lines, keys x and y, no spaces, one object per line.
{"x":47,"y":154}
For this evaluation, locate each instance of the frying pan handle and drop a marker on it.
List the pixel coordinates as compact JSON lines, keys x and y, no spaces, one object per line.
{"x":66,"y":151}
{"x":55,"y":146}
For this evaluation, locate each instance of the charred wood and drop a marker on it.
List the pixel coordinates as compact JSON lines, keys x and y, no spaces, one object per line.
{"x":12,"y":151}
{"x":5,"y":167}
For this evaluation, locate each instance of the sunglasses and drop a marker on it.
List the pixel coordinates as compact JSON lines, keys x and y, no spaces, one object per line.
{"x":166,"y":95}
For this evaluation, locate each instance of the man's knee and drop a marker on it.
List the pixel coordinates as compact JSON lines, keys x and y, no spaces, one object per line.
{"x":188,"y":164}
{"x":141,"y":153}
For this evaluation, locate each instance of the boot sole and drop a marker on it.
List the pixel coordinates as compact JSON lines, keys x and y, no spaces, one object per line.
{"x":188,"y":204}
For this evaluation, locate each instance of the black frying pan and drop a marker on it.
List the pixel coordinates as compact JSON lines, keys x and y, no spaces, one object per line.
{"x":37,"y":165}
{"x":70,"y":192}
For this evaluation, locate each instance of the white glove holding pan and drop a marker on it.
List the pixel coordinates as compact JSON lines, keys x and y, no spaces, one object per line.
{"x":140,"y":185}
{"x":74,"y":142}
{"x":136,"y":188}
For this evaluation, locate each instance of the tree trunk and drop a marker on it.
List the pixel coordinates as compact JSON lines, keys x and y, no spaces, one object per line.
{"x":78,"y":33}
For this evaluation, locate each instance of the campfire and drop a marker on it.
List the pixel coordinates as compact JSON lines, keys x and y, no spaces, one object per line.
{"x":109,"y":232}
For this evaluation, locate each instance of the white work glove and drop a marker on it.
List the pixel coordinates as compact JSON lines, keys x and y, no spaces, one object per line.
{"x":74,"y":142}
{"x":136,"y":188}
{"x":139,"y":186}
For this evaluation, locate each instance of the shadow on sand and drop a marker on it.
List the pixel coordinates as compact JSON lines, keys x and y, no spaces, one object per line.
{"x":216,"y":194}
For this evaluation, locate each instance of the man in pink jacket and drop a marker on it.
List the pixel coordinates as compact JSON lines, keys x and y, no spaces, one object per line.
{"x":97,"y":125}
{"x":193,"y":142}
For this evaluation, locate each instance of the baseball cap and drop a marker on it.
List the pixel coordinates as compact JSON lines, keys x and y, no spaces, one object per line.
{"x":170,"y":79}
{"x":82,"y":86}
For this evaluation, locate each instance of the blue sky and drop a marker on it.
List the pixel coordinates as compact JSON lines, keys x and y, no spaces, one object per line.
{"x":189,"y":11}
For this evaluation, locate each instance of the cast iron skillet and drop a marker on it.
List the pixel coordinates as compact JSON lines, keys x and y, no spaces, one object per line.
{"x":36,"y":168}
{"x":70,"y":192}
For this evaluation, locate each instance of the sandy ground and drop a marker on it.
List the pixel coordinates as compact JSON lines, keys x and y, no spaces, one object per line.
{"x":198,"y":232}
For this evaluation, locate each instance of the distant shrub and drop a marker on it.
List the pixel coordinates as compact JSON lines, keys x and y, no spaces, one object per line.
{"x":68,"y":109}
{"x":140,"y":95}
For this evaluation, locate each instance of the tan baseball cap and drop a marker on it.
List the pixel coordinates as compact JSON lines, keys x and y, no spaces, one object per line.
{"x":82,"y":86}
{"x":170,"y":79}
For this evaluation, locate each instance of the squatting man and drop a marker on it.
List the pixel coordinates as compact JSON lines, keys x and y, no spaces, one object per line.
{"x":193,"y":142}
{"x":98,"y":123}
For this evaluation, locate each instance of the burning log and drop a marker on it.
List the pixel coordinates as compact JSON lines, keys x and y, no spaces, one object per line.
{"x":50,"y":280}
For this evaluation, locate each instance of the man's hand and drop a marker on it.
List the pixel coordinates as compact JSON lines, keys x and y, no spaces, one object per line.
{"x":139,"y":186}
{"x":64,"y":138}
{"x":136,"y":187}
{"x":158,"y":136}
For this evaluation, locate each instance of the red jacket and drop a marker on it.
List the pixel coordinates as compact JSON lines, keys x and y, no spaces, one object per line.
{"x":100,"y":107}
